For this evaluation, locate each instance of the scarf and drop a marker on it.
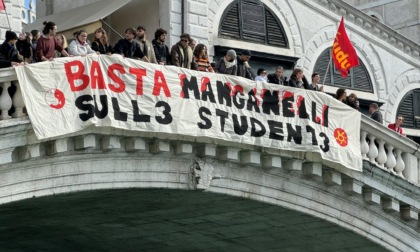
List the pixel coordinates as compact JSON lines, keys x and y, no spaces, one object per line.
{"x":80,"y":42}
{"x":185,"y":57}
{"x":229,"y":64}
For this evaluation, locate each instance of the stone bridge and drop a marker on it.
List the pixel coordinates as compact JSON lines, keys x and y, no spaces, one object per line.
{"x":106,"y":188}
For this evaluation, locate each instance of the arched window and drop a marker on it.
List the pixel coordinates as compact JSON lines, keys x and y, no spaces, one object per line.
{"x":252,"y":21}
{"x":358,"y":78}
{"x":410,"y":109}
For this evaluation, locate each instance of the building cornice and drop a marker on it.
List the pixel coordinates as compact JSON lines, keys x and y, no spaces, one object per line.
{"x":372,"y":26}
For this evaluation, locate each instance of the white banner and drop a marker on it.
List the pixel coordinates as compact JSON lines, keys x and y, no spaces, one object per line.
{"x":70,"y":94}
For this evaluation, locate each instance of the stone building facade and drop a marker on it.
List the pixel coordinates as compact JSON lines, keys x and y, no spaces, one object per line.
{"x":402,"y":16}
{"x":18,"y":15}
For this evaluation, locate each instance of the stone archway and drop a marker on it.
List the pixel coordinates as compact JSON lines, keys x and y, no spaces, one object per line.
{"x":406,"y":82}
{"x":167,"y":220}
{"x":324,"y":38}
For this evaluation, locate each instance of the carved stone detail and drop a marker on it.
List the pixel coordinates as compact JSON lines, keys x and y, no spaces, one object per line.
{"x":203,"y":174}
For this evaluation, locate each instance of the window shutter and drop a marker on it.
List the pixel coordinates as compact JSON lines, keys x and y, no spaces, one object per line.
{"x":230,"y":23}
{"x":276,"y":34}
{"x":406,"y":109}
{"x":361,"y":78}
{"x":253,"y":22}
{"x":321,"y":67}
{"x":339,"y":80}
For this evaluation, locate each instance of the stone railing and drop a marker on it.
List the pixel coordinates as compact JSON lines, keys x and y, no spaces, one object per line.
{"x":379,"y":145}
{"x":13,"y":97}
{"x":389,"y":150}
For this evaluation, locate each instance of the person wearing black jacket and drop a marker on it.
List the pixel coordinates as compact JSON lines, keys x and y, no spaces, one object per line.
{"x":277,"y":77}
{"x":9,"y":55}
{"x":298,"y":80}
{"x":100,"y":42}
{"x":24,"y":47}
{"x":243,"y":69}
{"x":128,"y":47}
{"x":161,"y":50}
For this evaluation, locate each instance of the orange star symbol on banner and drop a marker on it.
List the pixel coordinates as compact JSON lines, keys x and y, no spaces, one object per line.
{"x":340,"y":136}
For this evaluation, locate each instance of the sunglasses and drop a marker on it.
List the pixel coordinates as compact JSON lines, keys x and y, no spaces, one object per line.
{"x":184,"y":40}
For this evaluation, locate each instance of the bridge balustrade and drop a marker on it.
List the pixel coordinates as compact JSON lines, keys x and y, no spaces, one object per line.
{"x":379,"y":145}
{"x":389,"y":150}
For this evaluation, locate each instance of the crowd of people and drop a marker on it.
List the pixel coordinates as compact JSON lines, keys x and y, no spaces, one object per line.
{"x":39,"y":46}
{"x":374,"y":112}
{"x":46,"y":45}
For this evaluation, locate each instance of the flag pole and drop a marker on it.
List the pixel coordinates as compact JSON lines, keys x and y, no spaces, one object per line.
{"x":326,"y":72}
{"x":7,"y":16}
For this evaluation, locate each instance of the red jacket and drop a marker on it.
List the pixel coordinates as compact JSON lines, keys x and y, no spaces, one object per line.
{"x":393,"y":127}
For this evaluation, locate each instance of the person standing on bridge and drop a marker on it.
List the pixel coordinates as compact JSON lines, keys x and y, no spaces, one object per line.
{"x":277,"y":77}
{"x":100,"y":42}
{"x":227,"y":64}
{"x":374,"y":112}
{"x":397,"y":125}
{"x":47,"y":44}
{"x":145,"y":45}
{"x":80,"y":46}
{"x":181,"y":53}
{"x":341,"y":95}
{"x":243,"y":67}
{"x":163,"y":57}
{"x":298,"y":79}
{"x":129,"y":48}
{"x":9,"y":55}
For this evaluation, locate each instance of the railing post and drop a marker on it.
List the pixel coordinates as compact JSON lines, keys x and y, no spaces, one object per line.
{"x":373,"y":151}
{"x":5,"y":101}
{"x":364,"y":146}
{"x":391,"y":161}
{"x":382,"y":157}
{"x":399,"y":167}
{"x":389,"y":150}
{"x":18,"y":103}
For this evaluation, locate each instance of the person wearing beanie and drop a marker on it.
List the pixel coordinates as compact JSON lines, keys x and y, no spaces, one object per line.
{"x":243,"y":67}
{"x":232,"y":54}
{"x":246,"y":53}
{"x":227,"y":64}
{"x":9,"y":55}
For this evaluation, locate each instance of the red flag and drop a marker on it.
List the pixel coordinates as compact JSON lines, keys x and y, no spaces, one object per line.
{"x":2,"y":6}
{"x":343,"y":52}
